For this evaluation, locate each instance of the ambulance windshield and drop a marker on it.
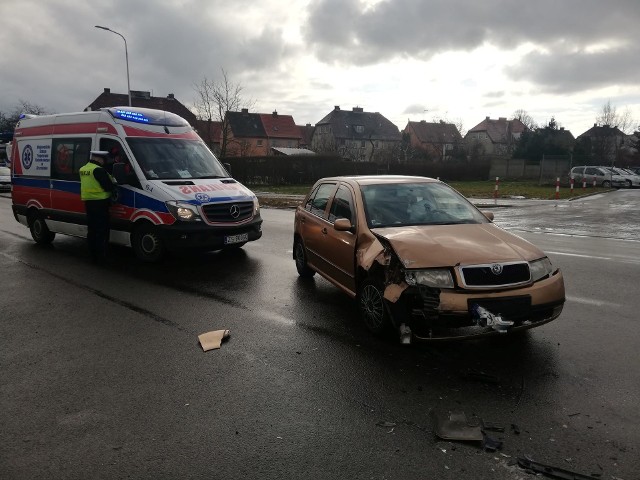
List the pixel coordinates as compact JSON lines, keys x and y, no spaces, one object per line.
{"x":172,"y":159}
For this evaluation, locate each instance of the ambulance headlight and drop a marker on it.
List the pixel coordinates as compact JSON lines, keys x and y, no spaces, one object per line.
{"x":184,"y":211}
{"x":256,"y":206}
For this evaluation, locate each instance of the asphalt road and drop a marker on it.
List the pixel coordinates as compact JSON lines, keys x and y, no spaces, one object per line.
{"x":101,"y":374}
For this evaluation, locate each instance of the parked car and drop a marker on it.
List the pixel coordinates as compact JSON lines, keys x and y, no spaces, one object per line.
{"x":602,"y":176}
{"x":419,"y":257}
{"x":5,"y":178}
{"x":631,"y":178}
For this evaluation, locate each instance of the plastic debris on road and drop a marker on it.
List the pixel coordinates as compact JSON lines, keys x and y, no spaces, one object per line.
{"x":213,"y":340}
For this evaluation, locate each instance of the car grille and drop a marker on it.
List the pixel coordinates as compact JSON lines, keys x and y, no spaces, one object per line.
{"x":495,"y":275}
{"x":224,"y":212}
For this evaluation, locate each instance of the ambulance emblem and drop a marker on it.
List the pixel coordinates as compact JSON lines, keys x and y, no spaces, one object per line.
{"x":27,"y":157}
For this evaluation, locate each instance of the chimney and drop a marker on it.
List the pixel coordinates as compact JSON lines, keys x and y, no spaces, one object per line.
{"x":561,"y":128}
{"x":502,"y":119}
{"x":245,"y":110}
{"x":308,"y":125}
{"x":337,"y":107}
{"x":170,"y":96}
{"x":107,"y":90}
{"x":358,"y":109}
{"x":275,"y":113}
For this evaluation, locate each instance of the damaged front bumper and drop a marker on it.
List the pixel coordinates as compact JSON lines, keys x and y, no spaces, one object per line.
{"x":447,"y":314}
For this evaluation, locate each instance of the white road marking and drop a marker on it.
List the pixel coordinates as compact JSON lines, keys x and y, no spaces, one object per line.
{"x":591,"y":301}
{"x":578,"y":255}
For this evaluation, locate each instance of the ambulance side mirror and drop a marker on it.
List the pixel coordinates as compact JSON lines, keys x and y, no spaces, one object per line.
{"x":227,"y":167}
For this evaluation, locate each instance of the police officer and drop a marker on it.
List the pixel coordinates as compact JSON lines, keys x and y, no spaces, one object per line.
{"x":96,"y":187}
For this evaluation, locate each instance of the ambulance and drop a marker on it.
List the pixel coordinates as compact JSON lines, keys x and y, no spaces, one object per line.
{"x":172,"y":192}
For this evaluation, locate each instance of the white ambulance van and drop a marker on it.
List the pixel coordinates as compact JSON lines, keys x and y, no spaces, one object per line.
{"x":173,"y":193}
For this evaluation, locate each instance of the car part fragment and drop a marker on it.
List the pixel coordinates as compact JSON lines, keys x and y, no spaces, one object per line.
{"x":554,"y":472}
{"x":484,"y":318}
{"x":454,"y":426}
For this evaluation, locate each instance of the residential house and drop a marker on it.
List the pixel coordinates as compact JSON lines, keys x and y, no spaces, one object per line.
{"x":281,"y":130}
{"x":437,"y":139}
{"x":258,"y":134}
{"x":494,"y":137}
{"x":142,"y":99}
{"x":211,"y":132}
{"x":356,"y":135}
{"x":246,"y":136}
{"x":306,"y":133}
{"x":603,"y":143}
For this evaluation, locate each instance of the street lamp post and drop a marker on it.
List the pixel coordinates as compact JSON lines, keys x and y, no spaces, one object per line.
{"x":126,"y":54}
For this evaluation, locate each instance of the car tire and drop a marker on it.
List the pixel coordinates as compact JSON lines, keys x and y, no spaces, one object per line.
{"x":300,"y":256}
{"x":147,"y":244}
{"x":606,"y":184}
{"x":372,"y":307}
{"x":39,"y":230}
{"x":629,"y":184}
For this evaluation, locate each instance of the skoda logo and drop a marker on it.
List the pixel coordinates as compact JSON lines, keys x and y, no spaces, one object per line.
{"x":496,"y":269}
{"x":202,"y":197}
{"x":234,"y":211}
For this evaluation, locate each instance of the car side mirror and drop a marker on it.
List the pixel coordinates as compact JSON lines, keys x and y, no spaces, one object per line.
{"x":342,"y":225}
{"x":227,"y":167}
{"x":488,"y":214}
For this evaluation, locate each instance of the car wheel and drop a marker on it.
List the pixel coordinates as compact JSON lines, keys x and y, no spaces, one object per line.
{"x":39,"y":230}
{"x":606,"y":184}
{"x":300,"y":256}
{"x":629,"y":184}
{"x":147,"y":244}
{"x":373,"y":310}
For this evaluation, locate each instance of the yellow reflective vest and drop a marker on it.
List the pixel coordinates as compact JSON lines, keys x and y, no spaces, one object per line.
{"x":90,"y":188}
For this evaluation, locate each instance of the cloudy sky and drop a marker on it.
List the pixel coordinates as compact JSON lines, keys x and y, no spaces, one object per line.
{"x":407,"y":59}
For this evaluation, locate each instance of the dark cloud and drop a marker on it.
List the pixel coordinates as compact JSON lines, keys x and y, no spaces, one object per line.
{"x":565,"y":72}
{"x":347,"y":32}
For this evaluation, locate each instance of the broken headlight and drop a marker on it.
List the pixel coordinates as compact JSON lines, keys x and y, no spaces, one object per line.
{"x":540,"y":269}
{"x":433,"y":277}
{"x":183,"y":211}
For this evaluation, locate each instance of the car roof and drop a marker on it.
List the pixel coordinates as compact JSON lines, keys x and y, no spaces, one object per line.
{"x":381,"y":179}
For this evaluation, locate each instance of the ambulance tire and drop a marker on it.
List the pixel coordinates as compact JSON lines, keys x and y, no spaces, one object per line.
{"x":39,"y":230}
{"x":147,"y":244}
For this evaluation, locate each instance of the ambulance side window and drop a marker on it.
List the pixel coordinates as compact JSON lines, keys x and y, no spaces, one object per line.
{"x":68,"y":155}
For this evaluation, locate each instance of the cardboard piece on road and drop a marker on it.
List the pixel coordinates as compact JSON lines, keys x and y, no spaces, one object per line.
{"x":212,"y":340}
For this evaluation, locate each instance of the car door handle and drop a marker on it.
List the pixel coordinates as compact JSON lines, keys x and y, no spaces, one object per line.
{"x":324,"y":230}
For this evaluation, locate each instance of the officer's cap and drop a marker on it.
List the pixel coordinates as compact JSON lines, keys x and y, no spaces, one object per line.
{"x":99,"y":153}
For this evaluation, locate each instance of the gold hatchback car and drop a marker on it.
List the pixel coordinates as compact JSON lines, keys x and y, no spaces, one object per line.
{"x":422,"y":260}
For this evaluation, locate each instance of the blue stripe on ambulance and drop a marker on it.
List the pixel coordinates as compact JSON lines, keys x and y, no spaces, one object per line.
{"x":31,"y":182}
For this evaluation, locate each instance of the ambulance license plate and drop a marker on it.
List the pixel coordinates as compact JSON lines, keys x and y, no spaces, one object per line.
{"x":230,"y":239}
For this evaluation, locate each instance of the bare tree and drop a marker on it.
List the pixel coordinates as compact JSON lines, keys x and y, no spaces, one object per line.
{"x":609,"y":116}
{"x":8,"y":120}
{"x":214,"y":100}
{"x":525,"y":118}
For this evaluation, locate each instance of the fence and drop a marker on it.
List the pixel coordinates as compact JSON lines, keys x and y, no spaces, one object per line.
{"x":306,"y":169}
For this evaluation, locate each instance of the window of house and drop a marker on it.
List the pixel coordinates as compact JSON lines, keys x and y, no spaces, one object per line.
{"x":359,"y":128}
{"x":259,"y":143}
{"x":68,"y":156}
{"x":362,"y":143}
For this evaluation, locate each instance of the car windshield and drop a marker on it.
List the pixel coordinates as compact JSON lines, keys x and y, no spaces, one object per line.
{"x":171,"y":159}
{"x":421,"y":203}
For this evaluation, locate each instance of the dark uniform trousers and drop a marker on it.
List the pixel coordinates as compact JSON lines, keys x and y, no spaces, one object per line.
{"x":98,"y":227}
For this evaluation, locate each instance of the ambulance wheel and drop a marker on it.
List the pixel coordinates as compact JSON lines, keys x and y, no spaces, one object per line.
{"x":39,"y":230}
{"x":147,"y":244}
